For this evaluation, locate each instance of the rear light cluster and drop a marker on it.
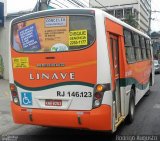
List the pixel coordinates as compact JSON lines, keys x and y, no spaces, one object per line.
{"x":98,"y":94}
{"x":14,"y":94}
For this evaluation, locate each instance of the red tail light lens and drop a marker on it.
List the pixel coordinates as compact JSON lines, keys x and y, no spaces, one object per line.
{"x":98,"y":95}
{"x":12,"y":87}
{"x":14,"y":94}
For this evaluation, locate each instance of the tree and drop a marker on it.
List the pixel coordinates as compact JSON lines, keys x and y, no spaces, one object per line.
{"x":155,"y":34}
{"x":130,"y":19}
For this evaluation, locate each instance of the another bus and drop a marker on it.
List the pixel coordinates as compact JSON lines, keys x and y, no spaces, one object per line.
{"x":77,"y":68}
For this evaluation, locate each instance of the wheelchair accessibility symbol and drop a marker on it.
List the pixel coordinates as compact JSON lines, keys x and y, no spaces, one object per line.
{"x":26,"y":98}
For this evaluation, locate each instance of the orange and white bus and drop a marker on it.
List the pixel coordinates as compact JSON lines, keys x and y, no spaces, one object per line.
{"x":77,"y":68}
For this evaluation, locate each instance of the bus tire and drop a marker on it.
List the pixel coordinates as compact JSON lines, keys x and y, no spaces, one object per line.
{"x":148,"y":93}
{"x":150,"y":83}
{"x":131,"y":111}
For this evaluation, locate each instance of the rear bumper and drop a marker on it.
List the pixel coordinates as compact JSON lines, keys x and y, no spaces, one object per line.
{"x":96,"y":119}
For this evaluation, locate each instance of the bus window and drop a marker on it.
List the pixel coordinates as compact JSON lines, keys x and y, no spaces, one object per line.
{"x":137,"y":47}
{"x":129,"y":46}
{"x":148,"y":49}
{"x":54,"y":34}
{"x":143,"y":47}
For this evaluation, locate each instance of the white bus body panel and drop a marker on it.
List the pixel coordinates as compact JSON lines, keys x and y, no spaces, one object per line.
{"x":103,"y":62}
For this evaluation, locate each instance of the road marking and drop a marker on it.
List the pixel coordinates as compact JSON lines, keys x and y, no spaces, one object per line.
{"x":156,"y":106}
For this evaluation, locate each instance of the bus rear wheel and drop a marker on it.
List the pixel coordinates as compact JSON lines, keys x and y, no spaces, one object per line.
{"x":131,"y":112}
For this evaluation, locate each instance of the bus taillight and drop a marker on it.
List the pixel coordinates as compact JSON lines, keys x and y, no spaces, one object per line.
{"x":98,"y":94}
{"x":12,"y":87}
{"x":97,"y":100}
{"x":14,"y":94}
{"x":99,"y":88}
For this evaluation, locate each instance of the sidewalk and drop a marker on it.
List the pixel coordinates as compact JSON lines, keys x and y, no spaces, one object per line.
{"x":6,"y":121}
{"x":4,"y":88}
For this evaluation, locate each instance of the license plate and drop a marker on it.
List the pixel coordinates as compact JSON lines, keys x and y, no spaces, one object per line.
{"x":50,"y":102}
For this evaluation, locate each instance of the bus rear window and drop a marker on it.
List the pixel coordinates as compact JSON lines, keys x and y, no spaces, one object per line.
{"x":53,"y":34}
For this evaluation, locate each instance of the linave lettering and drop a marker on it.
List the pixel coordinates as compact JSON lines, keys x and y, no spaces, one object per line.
{"x":53,"y":76}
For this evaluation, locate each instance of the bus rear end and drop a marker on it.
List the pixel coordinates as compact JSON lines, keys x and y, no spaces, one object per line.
{"x":53,"y":58}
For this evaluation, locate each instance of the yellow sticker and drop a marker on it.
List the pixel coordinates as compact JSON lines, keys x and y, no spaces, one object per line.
{"x":78,"y":38}
{"x":21,"y":62}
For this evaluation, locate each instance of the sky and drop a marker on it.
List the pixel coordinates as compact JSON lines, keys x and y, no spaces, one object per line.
{"x":155,"y":23}
{"x":20,"y":5}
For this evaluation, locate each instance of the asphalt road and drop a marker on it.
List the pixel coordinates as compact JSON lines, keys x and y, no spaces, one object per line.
{"x":147,"y":122}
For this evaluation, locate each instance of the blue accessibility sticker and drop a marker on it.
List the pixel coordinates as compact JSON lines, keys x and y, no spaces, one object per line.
{"x":26,"y":98}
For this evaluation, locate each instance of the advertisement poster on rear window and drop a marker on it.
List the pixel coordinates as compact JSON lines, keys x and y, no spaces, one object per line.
{"x":52,"y":34}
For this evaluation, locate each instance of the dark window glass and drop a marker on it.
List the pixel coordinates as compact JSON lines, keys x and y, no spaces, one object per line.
{"x":111,"y":12}
{"x":136,"y":40}
{"x":119,"y":13}
{"x":130,"y":55}
{"x":138,"y":53}
{"x":144,"y":53}
{"x":143,"y":47}
{"x":147,"y":44}
{"x":148,"y":48}
{"x":83,"y":22}
{"x":127,"y":12}
{"x":148,"y":53}
{"x":128,"y":38}
{"x":142,"y":42}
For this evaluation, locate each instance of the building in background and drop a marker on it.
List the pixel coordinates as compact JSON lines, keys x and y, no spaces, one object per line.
{"x":155,"y":36}
{"x":1,"y":13}
{"x":140,"y":10}
{"x":53,"y":4}
{"x":69,"y":3}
